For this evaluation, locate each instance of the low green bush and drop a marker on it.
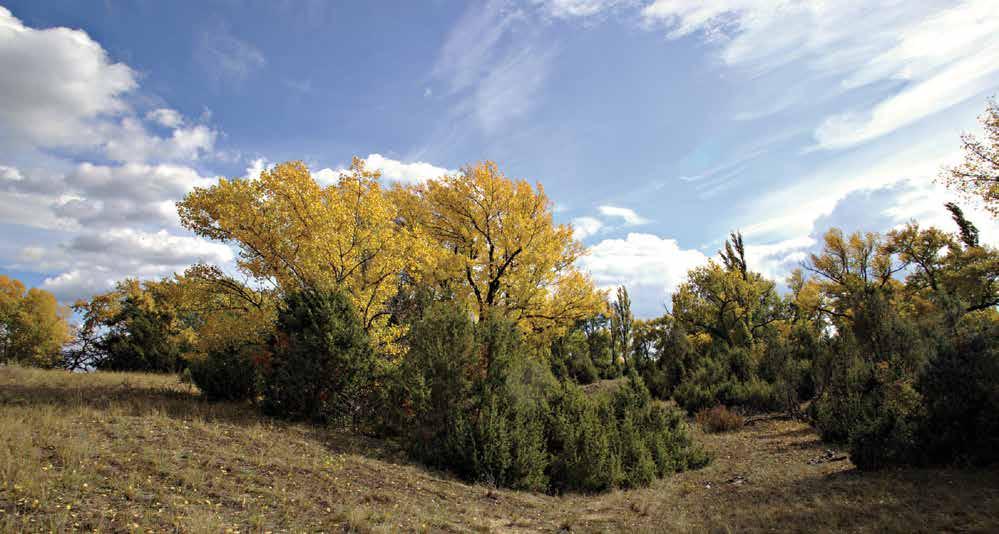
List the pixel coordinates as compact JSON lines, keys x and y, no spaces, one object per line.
{"x":321,"y":364}
{"x":228,"y":374}
{"x":475,"y":402}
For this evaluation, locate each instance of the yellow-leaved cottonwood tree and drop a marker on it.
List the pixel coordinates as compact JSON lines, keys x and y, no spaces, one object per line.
{"x":302,"y":235}
{"x":33,"y":326}
{"x":486,"y":239}
{"x":500,"y":250}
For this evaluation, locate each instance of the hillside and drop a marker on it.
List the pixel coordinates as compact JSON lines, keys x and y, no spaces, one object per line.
{"x":129,"y":452}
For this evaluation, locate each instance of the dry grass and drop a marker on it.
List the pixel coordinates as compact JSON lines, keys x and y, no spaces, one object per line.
{"x":718,"y":419}
{"x":128,"y":452}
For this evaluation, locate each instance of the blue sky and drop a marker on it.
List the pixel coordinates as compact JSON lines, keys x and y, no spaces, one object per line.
{"x":656,"y":126}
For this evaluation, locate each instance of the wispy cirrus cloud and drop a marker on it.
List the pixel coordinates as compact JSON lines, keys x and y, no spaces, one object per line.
{"x":944,"y":59}
{"x":225,"y":56}
{"x":940,"y":53}
{"x":494,"y":63}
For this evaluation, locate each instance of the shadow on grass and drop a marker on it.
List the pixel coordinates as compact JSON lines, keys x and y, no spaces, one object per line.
{"x":185,"y":404}
{"x":895,"y":500}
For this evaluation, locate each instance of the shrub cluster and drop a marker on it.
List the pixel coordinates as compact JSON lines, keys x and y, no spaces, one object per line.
{"x":480,"y":406}
{"x":321,"y":364}
{"x":470,"y":398}
{"x":924,"y":395}
{"x":227,"y":374}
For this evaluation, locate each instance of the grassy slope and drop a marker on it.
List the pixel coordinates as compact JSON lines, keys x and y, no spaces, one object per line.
{"x":119,"y":452}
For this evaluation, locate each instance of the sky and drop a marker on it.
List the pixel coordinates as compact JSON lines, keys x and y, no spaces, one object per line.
{"x":655,"y":126}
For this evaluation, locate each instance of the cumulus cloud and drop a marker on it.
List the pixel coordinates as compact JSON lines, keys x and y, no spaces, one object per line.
{"x":391,"y":169}
{"x":139,"y":193}
{"x":414,"y":172}
{"x":627,"y":215}
{"x":258,"y":166}
{"x":130,"y":141}
{"x":651,"y":267}
{"x":68,"y":94}
{"x":67,"y":107}
{"x":93,"y":260}
{"x":584,"y":227}
{"x":877,"y":209}
{"x":167,"y":117}
{"x":59,"y":85}
{"x":10,"y":174}
{"x":137,"y":181}
{"x":78,"y":284}
{"x":157,"y":248}
{"x":776,"y":260}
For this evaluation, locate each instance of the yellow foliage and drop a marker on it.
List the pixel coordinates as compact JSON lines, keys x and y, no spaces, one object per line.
{"x":302,"y":235}
{"x":33,"y":326}
{"x":486,"y":239}
{"x":499,"y":248}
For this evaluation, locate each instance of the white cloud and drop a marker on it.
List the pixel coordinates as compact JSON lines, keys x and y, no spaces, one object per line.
{"x":135,"y":192}
{"x":417,"y":171}
{"x":328,"y":176}
{"x":512,"y":86}
{"x":792,"y":210}
{"x":11,"y":174}
{"x":776,"y":260}
{"x":92,"y":261}
{"x":150,"y":248}
{"x":167,"y":117}
{"x":77,"y":284}
{"x":879,"y":208}
{"x":58,"y":85}
{"x":258,"y":166}
{"x":130,"y":141}
{"x":584,"y":227}
{"x":764,"y":34}
{"x":68,"y":94}
{"x":951,"y":86}
{"x":650,"y":267}
{"x":66,"y":106}
{"x":944,"y":53}
{"x":471,"y":46}
{"x":628,"y":215}
{"x":391,"y":169}
{"x":89,"y":194}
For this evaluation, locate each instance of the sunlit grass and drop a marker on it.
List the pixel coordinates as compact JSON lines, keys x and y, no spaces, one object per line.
{"x":130,"y":452}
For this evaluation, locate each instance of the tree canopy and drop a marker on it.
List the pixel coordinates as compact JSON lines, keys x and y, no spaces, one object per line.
{"x":488,"y":240}
{"x":977,"y":176}
{"x":33,"y":326}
